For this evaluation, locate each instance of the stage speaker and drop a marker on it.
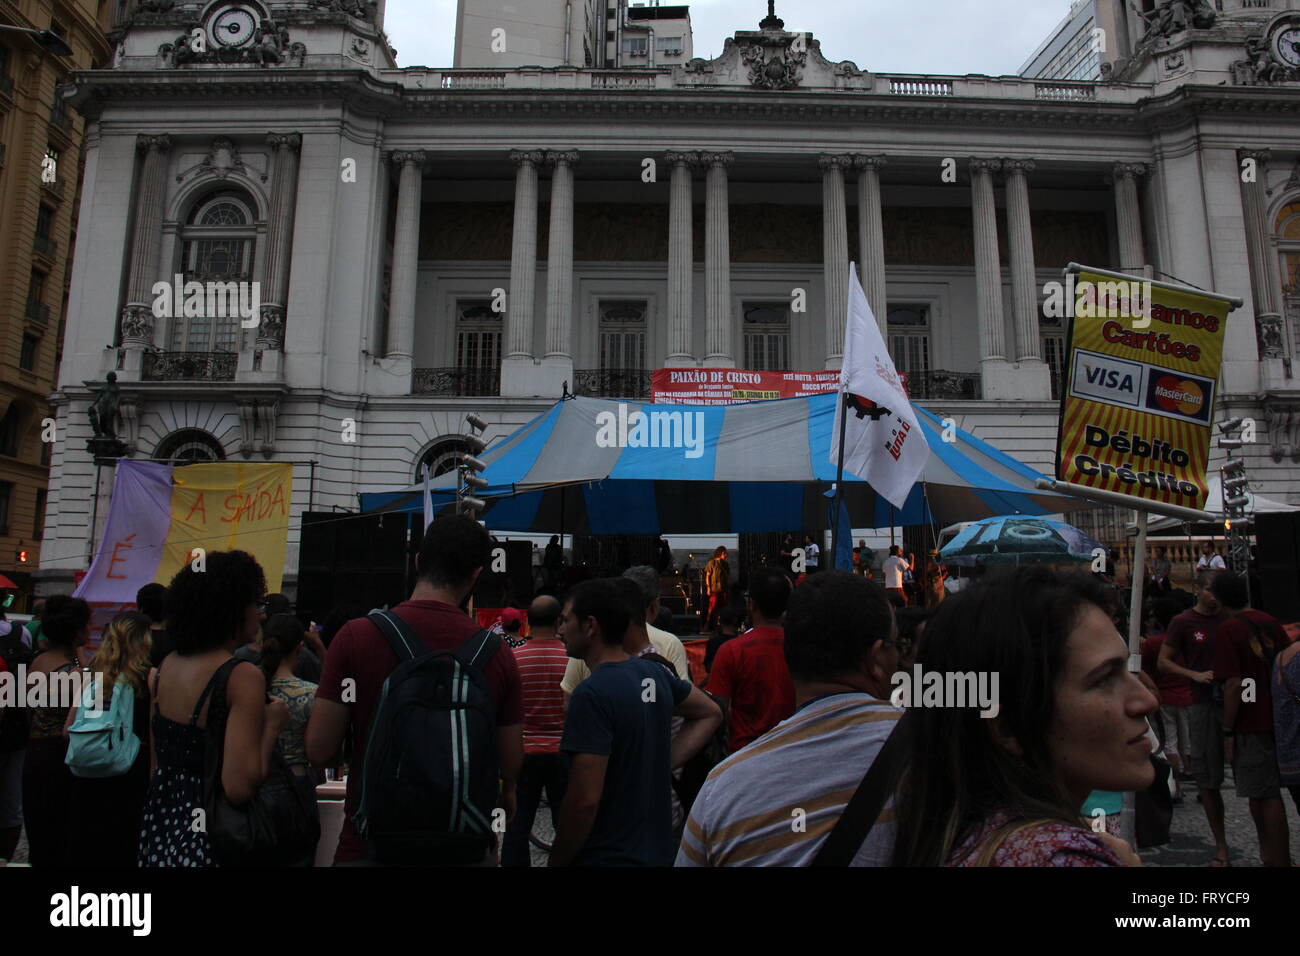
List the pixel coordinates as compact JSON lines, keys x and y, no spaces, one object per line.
{"x":351,"y":559}
{"x":1277,"y":538}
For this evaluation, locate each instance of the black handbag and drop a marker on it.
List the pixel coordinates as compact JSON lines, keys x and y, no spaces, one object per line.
{"x":278,"y":826}
{"x":1154,"y":808}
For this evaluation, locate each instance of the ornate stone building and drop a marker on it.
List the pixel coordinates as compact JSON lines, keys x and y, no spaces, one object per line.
{"x":434,"y":242}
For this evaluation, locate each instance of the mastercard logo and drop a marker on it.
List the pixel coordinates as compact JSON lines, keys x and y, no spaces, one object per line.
{"x":1178,"y":395}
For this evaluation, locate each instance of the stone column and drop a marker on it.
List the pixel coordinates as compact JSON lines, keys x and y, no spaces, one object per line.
{"x":871,"y":237}
{"x":138,"y":326}
{"x":719,"y":352}
{"x":681,"y":266}
{"x":279,"y":244}
{"x":1128,"y":217}
{"x":523,"y":255}
{"x":1024,"y":284}
{"x":988,"y":266}
{"x":835,"y":254}
{"x":1266,"y":274}
{"x":406,"y":255}
{"x":559,"y":266}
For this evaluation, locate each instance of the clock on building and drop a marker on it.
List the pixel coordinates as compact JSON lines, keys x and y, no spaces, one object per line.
{"x":232,"y":25}
{"x":1284,"y":39}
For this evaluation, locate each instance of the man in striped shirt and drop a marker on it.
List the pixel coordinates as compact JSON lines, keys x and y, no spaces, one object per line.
{"x":774,"y":802}
{"x":542,"y":660}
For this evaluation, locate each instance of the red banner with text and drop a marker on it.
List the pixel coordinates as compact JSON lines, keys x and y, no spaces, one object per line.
{"x":729,"y":386}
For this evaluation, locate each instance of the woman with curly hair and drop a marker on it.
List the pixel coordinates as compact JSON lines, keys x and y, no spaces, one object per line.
{"x":209,"y":614}
{"x":47,"y":781}
{"x":108,"y":808}
{"x":1008,"y":789}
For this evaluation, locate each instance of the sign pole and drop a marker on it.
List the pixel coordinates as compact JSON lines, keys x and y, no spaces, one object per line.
{"x":1128,"y":820}
{"x":839,"y":481}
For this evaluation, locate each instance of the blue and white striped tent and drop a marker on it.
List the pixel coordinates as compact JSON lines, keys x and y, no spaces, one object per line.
{"x":762,"y":466}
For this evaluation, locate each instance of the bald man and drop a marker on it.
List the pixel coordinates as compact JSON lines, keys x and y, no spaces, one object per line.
{"x":542,"y":660}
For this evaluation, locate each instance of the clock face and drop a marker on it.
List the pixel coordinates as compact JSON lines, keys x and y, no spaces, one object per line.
{"x":1287,"y":46}
{"x":233,"y":26}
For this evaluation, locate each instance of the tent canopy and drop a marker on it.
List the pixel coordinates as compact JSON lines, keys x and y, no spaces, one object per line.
{"x":762,"y":466}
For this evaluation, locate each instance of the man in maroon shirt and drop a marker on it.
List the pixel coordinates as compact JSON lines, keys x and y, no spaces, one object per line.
{"x":452,"y":555}
{"x":1244,"y":649}
{"x":1175,"y":692}
{"x":749,"y":672}
{"x":1191,"y":638}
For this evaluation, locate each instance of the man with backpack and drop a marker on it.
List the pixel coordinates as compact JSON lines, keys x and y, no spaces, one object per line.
{"x":433,"y":707}
{"x":1245,"y":646}
{"x":616,"y":809}
{"x":17,"y":647}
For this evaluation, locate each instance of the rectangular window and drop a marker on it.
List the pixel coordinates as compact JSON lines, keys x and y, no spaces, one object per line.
{"x":27,"y":358}
{"x":909,"y":344}
{"x":44,"y":222}
{"x":38,"y":523}
{"x":478,"y":335}
{"x":669,"y":45}
{"x":622,"y":334}
{"x":636,"y":46}
{"x":6,"y":494}
{"x":9,"y":432}
{"x":1054,"y":356}
{"x":766,"y":333}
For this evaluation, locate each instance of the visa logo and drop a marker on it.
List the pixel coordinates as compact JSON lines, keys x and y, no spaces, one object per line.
{"x":1108,"y":378}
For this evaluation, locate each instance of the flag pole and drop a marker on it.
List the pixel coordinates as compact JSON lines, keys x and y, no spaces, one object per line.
{"x":839,"y":479}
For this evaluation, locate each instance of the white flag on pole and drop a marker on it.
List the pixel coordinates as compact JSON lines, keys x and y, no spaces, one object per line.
{"x":428,"y":497}
{"x":883,"y":442}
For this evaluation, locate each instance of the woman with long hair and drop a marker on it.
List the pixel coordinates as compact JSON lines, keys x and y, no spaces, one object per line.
{"x":47,"y":781}
{"x":108,"y":808}
{"x":209,"y":614}
{"x":283,"y":640}
{"x":1007,"y":790}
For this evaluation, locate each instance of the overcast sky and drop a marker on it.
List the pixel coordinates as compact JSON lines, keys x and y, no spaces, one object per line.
{"x":883,"y":36}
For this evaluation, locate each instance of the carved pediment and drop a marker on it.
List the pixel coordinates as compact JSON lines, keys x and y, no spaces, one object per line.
{"x":771,"y":58}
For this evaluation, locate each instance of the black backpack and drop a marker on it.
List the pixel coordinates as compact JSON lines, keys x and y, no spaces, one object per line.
{"x":14,"y":721}
{"x":430,"y":777}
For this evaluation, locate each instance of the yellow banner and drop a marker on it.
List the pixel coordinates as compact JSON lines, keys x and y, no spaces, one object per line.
{"x":1142,"y":373}
{"x":229,"y":506}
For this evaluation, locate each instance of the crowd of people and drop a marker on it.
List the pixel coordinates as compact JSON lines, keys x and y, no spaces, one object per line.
{"x":788,"y":751}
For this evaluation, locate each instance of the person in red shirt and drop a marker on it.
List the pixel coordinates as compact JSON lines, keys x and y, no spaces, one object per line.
{"x":453,"y":553}
{"x":542,"y":661}
{"x":749,"y":672}
{"x":1244,"y":649}
{"x":1191,"y":638}
{"x":1175,"y":692}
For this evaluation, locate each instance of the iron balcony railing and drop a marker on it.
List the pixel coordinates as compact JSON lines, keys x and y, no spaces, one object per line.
{"x":45,"y":246}
{"x":189,"y":366}
{"x":942,"y":384}
{"x":612,"y":383}
{"x":38,"y":312}
{"x":456,"y":381}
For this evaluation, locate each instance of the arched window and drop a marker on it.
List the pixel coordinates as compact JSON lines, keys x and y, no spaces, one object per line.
{"x":189,"y":446}
{"x":217,"y":243}
{"x":442,"y":457}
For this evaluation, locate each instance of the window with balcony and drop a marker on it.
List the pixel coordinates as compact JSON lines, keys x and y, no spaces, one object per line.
{"x":217,"y":245}
{"x":38,"y":522}
{"x":36,"y":295}
{"x":6,"y":81}
{"x":1051,"y":333}
{"x":27,"y":356}
{"x":766,"y":335}
{"x":622,"y":335}
{"x":909,"y":343}
{"x":478,"y":335}
{"x":6,"y":495}
{"x":44,"y":243}
{"x":10,"y":431}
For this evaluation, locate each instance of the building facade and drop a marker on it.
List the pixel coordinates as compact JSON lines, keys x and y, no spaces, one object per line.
{"x":40,"y":164}
{"x":430,"y":243}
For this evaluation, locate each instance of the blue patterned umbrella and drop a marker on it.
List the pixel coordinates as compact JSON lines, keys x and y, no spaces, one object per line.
{"x":1018,"y":539}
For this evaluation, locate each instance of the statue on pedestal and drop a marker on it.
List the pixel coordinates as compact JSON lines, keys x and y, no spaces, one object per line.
{"x":103,"y":412}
